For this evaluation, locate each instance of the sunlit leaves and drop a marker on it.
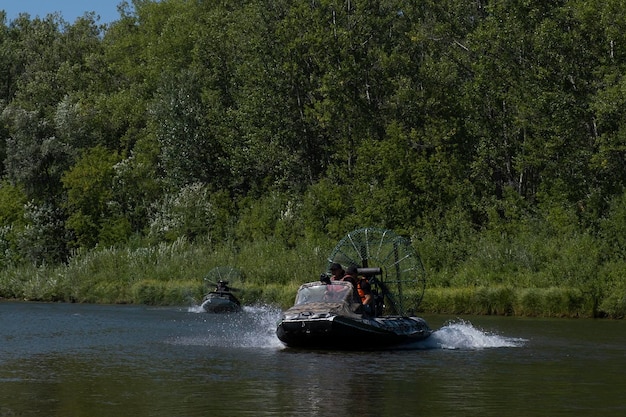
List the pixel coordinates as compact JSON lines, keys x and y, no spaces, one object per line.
{"x":191,"y":213}
{"x":190,"y":152}
{"x":34,"y":156}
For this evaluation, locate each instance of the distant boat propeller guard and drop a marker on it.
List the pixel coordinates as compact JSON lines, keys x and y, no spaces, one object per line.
{"x":328,"y":314}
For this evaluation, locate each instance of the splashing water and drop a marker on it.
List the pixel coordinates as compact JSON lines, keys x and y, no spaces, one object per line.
{"x":196,"y":308}
{"x":262,"y":333}
{"x":254,"y":327}
{"x":463,"y":335}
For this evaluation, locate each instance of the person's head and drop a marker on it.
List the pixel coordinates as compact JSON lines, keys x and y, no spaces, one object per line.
{"x":352,"y":271}
{"x":336,"y":269}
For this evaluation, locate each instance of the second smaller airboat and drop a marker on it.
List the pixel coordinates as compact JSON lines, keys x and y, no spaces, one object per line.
{"x":222,"y":298}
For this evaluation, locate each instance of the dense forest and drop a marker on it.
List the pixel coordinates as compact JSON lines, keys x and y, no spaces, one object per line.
{"x":492,"y":133}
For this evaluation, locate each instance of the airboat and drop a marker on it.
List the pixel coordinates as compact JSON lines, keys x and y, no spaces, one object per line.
{"x":221,"y":299}
{"x":328,"y":314}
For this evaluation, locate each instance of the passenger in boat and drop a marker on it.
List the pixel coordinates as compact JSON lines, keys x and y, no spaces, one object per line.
{"x":337,"y":272}
{"x":351,"y":275}
{"x":334,"y":292}
{"x":364,"y":290}
{"x":222,"y":286}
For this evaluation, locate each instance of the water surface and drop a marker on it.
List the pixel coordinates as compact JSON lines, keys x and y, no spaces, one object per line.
{"x":93,"y":360}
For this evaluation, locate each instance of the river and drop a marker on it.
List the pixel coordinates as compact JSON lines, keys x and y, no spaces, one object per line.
{"x":98,"y":360}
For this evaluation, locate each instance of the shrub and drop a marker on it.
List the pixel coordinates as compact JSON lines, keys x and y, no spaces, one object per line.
{"x":496,"y":300}
{"x":530,"y":302}
{"x":614,"y":306}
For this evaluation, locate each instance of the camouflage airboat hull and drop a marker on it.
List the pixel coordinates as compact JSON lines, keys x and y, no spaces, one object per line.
{"x":341,"y":332}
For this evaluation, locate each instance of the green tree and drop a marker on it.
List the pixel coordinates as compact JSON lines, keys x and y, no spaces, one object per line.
{"x":35,"y":157}
{"x":89,"y":186}
{"x":190,"y":150}
{"x":44,"y":239}
{"x":527,"y":104}
{"x":12,"y":221}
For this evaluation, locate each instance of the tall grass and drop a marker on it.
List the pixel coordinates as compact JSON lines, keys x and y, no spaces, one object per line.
{"x":533,"y":302}
{"x":169,"y":274}
{"x":531,"y":275}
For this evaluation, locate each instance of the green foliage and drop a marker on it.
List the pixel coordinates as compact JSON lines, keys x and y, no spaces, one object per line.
{"x":277,"y":215}
{"x":614,"y":306}
{"x":544,"y":302}
{"x":35,"y":158}
{"x":44,"y":239}
{"x":493,"y":134}
{"x":190,"y":152}
{"x":173,"y":274}
{"x":12,"y":222}
{"x":134,"y":186}
{"x":89,"y":192}
{"x":115,"y":231}
{"x":327,"y":210}
{"x":554,"y":302}
{"x":193,"y":213}
{"x":152,"y":292}
{"x":613,"y":229}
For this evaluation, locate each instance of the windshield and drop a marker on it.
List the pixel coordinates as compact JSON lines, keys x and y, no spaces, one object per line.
{"x":333,"y":293}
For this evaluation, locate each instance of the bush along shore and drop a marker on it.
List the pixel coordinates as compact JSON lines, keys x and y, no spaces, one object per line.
{"x":173,"y":274}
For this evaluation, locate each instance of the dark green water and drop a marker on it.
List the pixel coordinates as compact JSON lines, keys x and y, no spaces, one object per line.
{"x":87,"y":360}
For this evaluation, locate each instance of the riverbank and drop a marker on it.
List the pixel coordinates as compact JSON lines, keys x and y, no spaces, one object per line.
{"x":525,"y":302}
{"x":173,"y":274}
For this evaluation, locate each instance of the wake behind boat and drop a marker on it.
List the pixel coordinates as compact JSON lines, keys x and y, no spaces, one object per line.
{"x":330,"y":314}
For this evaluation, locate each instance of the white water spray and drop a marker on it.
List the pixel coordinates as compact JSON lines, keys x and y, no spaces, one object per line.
{"x":196,"y":308}
{"x":463,"y":335}
{"x":254,"y":327}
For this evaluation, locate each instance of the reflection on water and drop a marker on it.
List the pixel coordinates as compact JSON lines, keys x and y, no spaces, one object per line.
{"x":86,"y":360}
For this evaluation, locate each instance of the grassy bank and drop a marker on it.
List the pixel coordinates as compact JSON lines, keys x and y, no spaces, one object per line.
{"x":507,"y":301}
{"x":167,"y":274}
{"x":172,"y":274}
